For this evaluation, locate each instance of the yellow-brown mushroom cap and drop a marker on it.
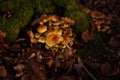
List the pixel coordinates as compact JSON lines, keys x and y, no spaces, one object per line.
{"x":54,"y":17}
{"x":42,"y":29}
{"x":58,"y":31}
{"x":65,"y":40}
{"x":68,"y":20}
{"x":97,"y":14}
{"x":41,"y":39}
{"x":52,"y":39}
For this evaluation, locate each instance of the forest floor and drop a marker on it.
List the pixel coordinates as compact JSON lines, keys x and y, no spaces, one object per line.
{"x":23,"y":60}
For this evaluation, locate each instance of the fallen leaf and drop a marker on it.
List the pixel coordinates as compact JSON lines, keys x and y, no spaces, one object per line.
{"x":93,"y":25}
{"x":114,"y":42}
{"x":20,"y":39}
{"x":66,"y":78}
{"x":2,"y":34}
{"x":50,"y":62}
{"x":36,"y":70}
{"x":88,"y":36}
{"x":19,"y":67}
{"x":19,"y":74}
{"x":93,"y":65}
{"x":105,"y":68}
{"x":32,"y":56}
{"x":3,"y":71}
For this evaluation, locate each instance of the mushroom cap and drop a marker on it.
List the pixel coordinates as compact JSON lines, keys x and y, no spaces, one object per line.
{"x":52,"y":39}
{"x":68,"y":20}
{"x":65,"y":25}
{"x":65,"y":40}
{"x":56,"y":23}
{"x":42,"y":28}
{"x":31,"y":34}
{"x":97,"y":14}
{"x":41,"y":39}
{"x":33,"y":40}
{"x":37,"y":35}
{"x":54,"y":17}
{"x":46,"y":19}
{"x":68,"y":32}
{"x":58,"y":31}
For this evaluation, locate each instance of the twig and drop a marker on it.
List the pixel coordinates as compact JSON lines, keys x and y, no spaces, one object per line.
{"x":82,"y":66}
{"x":89,"y":73}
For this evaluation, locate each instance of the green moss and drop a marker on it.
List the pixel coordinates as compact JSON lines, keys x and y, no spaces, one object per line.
{"x":43,"y":6}
{"x":75,"y":12}
{"x":20,"y":15}
{"x":81,"y":20}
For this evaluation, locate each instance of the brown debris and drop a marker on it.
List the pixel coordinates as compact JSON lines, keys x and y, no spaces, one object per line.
{"x":3,"y":71}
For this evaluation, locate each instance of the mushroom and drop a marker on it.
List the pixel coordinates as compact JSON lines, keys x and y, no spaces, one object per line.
{"x":33,"y":40}
{"x":68,"y":20}
{"x":65,"y":40}
{"x":68,"y":32}
{"x":58,"y":31}
{"x":42,"y":29}
{"x":41,"y":39}
{"x":65,"y":25}
{"x":97,"y":15}
{"x":56,"y":23}
{"x":53,"y":38}
{"x":54,"y":17}
{"x":37,"y":35}
{"x":105,"y":28}
{"x":46,"y":19}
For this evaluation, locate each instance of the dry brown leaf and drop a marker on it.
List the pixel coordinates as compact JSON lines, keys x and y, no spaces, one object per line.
{"x":50,"y":62}
{"x":37,"y":71}
{"x":93,"y":65}
{"x":19,"y":74}
{"x":2,"y":34}
{"x":88,"y":36}
{"x":66,"y":78}
{"x":105,"y":68}
{"x":19,"y":67}
{"x":93,"y":25}
{"x":3,"y":71}
{"x":114,"y":42}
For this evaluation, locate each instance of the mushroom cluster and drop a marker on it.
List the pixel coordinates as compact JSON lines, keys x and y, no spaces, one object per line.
{"x":54,"y":31}
{"x":101,"y":21}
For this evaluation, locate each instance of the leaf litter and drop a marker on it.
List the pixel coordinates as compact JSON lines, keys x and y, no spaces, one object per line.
{"x":60,"y":62}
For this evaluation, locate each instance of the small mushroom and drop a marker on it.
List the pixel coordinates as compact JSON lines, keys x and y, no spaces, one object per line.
{"x":31,"y":35}
{"x":99,"y":27}
{"x":41,"y":39}
{"x":37,"y":35}
{"x":41,"y":22}
{"x":105,"y":28}
{"x":65,"y":25}
{"x":97,"y":15}
{"x":33,"y":40}
{"x":68,"y":20}
{"x":56,"y":23}
{"x":68,"y":32}
{"x":65,"y":40}
{"x":53,"y":38}
{"x":42,"y":29}
{"x":54,"y":17}
{"x":46,"y":19}
{"x":50,"y":23}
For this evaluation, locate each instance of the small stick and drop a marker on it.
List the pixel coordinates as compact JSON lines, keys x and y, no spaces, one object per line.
{"x":82,"y":65}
